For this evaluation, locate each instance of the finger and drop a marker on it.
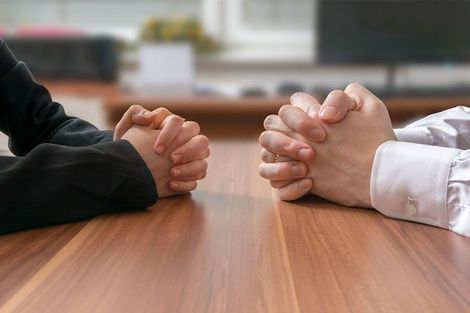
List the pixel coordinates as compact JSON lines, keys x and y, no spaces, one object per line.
{"x":182,"y":186}
{"x":299,"y":121}
{"x":283,"y":170}
{"x":335,"y":107}
{"x":296,"y":190}
{"x":190,"y":169}
{"x":170,"y":128}
{"x":159,"y":115}
{"x":136,"y":114}
{"x":188,"y":131}
{"x":282,"y":144}
{"x":281,"y":183}
{"x":187,"y":151}
{"x":361,"y":95}
{"x":199,"y":176}
{"x":306,"y":102}
{"x":274,"y":122}
{"x":269,"y":157}
{"x":203,"y":155}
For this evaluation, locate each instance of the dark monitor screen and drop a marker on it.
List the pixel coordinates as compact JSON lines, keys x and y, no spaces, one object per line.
{"x":393,"y":31}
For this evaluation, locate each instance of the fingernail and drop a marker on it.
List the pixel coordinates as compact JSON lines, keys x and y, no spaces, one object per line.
{"x":176,"y":172}
{"x":328,"y":112}
{"x":176,"y":158}
{"x":317,"y":134}
{"x":304,"y":153}
{"x":147,"y":113}
{"x":160,"y":149}
{"x":297,"y":169}
{"x":304,"y":184}
{"x":173,"y":185}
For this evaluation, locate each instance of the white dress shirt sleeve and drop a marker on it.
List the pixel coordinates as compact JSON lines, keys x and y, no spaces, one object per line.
{"x":427,"y":178}
{"x":449,"y":128}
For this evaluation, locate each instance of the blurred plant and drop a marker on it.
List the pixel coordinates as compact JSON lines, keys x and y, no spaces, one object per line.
{"x":178,"y":29}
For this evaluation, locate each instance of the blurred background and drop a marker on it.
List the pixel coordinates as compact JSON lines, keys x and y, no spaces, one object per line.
{"x":229,"y":63}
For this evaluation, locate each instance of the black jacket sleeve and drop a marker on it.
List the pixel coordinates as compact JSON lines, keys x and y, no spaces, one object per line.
{"x":30,"y":117}
{"x":64,"y":169}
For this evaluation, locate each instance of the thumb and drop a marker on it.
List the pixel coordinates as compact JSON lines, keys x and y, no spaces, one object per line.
{"x":143,"y":118}
{"x":134,"y":115}
{"x":365,"y":100}
{"x":336,"y":106}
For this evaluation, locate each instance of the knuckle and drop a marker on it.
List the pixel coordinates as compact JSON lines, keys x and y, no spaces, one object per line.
{"x":135,"y":107}
{"x":336,"y":94}
{"x":291,"y":147}
{"x":304,"y":124}
{"x":277,"y":170}
{"x":353,"y":86}
{"x":288,"y":148}
{"x":162,"y":110}
{"x":173,"y":118}
{"x":193,"y":126}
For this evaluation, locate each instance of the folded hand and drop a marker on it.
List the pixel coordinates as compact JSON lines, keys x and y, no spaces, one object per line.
{"x":176,"y":140}
{"x":337,"y":169}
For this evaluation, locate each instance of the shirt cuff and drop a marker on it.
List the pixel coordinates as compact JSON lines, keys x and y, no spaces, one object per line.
{"x":414,"y":135}
{"x":409,"y":181}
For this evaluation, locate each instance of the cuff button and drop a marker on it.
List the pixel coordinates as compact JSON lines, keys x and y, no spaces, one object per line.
{"x":411,"y":207}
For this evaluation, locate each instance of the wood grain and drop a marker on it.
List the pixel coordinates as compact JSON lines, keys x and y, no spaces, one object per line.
{"x":23,"y":254}
{"x":347,"y":259}
{"x":217,"y":251}
{"x":232,"y":246}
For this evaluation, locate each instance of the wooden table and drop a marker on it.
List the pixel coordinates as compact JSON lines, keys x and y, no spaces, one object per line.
{"x":232,"y":246}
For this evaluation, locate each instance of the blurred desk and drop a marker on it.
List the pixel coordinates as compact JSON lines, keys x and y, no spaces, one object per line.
{"x":225,"y":116}
{"x":232,"y":246}
{"x":218,"y":116}
{"x":403,"y":109}
{"x":229,"y":117}
{"x":81,"y":88}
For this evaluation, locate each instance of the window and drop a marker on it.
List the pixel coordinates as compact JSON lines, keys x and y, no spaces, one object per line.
{"x":119,"y":17}
{"x":262,"y":26}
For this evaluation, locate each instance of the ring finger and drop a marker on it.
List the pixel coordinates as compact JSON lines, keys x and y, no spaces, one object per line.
{"x":269,"y":157}
{"x":282,"y":170}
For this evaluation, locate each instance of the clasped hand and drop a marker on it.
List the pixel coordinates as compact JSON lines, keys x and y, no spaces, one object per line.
{"x":326,"y":149}
{"x":171,"y":147}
